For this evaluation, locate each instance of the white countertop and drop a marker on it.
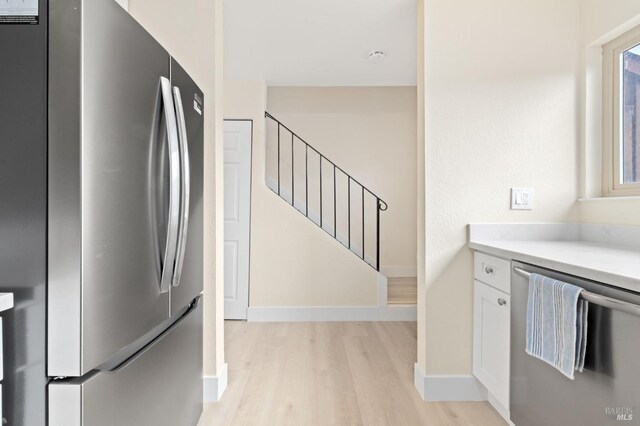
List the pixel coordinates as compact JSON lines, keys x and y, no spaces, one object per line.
{"x":594,"y":252}
{"x":6,"y":301}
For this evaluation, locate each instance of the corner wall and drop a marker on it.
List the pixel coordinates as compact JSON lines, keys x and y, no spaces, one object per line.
{"x":501,"y":90}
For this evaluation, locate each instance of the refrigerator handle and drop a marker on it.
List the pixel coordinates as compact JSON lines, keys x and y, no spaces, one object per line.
{"x":186,"y":184}
{"x":174,"y":186}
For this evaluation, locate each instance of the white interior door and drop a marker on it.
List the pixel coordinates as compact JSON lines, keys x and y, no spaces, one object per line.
{"x":237,"y":209}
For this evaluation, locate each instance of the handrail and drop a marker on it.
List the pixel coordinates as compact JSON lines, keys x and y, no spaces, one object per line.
{"x":267,"y":115}
{"x":381,"y":205}
{"x":598,"y":299}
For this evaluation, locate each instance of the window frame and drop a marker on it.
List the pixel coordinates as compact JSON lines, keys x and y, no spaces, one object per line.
{"x":612,"y":102}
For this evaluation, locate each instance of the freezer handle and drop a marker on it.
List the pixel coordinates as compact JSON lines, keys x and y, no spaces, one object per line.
{"x":122,"y":365}
{"x":174,"y":186}
{"x":186,"y":184}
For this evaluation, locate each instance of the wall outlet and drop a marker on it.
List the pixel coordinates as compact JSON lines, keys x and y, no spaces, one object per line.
{"x":521,"y":198}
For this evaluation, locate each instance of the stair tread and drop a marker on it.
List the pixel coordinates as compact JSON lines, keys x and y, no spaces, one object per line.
{"x":402,"y":291}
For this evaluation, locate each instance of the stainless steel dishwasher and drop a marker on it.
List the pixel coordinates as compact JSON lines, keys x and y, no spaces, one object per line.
{"x":608,"y":391}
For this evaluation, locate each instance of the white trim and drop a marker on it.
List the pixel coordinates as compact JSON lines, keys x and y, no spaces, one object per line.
{"x":448,"y":388}
{"x":418,"y":379}
{"x":399,"y":271}
{"x":502,"y":410}
{"x":331,"y":313}
{"x":214,"y":386}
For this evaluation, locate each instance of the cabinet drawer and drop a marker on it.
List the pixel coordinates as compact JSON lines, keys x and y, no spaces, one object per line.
{"x":493,"y":271}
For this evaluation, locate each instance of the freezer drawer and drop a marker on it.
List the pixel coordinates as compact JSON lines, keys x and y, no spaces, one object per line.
{"x":160,"y":386}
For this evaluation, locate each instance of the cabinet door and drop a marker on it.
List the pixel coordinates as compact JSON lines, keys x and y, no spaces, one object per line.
{"x":491,"y":328}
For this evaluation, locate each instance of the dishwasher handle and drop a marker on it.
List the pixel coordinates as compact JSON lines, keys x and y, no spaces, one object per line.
{"x":597,"y":299}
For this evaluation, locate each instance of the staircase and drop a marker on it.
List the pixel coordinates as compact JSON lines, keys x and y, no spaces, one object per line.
{"x":322,"y":191}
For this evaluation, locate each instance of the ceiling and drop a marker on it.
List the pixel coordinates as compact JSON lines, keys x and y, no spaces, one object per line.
{"x":320,"y":42}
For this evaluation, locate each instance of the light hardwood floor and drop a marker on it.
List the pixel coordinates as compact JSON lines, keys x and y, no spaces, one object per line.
{"x":341,"y":373}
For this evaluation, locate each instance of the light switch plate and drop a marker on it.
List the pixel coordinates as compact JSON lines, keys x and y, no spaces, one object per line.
{"x":521,"y":198}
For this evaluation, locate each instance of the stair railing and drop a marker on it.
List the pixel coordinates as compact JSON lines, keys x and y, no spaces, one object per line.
{"x":380,"y":205}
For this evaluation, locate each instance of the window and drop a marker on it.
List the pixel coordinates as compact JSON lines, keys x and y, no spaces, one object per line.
{"x":621,"y":138}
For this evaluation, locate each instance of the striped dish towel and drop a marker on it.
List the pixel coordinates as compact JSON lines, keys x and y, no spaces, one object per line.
{"x":557,"y":324}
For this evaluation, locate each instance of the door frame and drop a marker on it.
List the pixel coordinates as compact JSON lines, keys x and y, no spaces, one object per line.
{"x":250,"y":121}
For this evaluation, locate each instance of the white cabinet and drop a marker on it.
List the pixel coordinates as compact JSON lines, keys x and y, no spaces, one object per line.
{"x":491,"y":340}
{"x":491,"y":328}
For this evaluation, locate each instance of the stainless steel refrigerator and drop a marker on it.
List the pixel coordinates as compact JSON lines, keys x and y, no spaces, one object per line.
{"x":101,"y":222}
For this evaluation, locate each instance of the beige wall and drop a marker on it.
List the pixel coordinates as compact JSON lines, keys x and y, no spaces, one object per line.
{"x":192,"y":32}
{"x":601,"y":21}
{"x":370,"y":132}
{"x":501,"y":90}
{"x":294,"y":263}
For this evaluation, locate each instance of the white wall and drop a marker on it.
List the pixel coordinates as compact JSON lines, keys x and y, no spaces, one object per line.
{"x":192,"y":32}
{"x":501,"y":90}
{"x":601,"y":21}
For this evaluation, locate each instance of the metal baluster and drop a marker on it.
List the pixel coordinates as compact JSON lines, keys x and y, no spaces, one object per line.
{"x":306,"y":180}
{"x":362,"y":222}
{"x":320,"y":190}
{"x":278,"y":158}
{"x":379,"y":202}
{"x":349,"y":209}
{"x":335,"y":224}
{"x":377,"y":234}
{"x":293,"y":177}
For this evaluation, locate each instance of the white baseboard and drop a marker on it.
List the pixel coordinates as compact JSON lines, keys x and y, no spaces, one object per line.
{"x":418,"y":379}
{"x":331,"y":313}
{"x":214,"y":386}
{"x":448,"y":388}
{"x":501,"y":409}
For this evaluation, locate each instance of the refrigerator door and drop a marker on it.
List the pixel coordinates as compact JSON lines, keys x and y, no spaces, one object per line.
{"x":110,"y":179}
{"x":189,"y":99}
{"x":23,"y":218}
{"x":161,"y":386}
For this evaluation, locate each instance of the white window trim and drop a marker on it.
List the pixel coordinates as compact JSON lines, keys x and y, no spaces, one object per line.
{"x":611,"y":156}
